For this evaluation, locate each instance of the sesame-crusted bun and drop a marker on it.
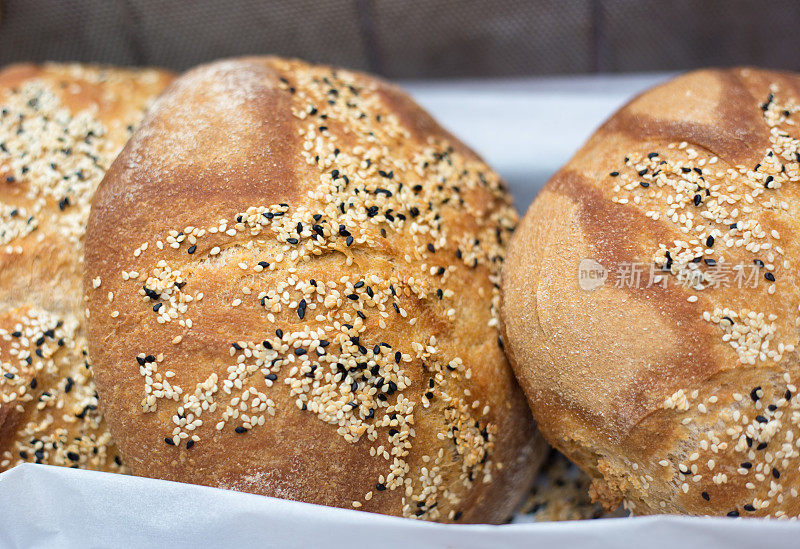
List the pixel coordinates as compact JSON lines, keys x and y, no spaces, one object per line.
{"x":305,"y":276}
{"x":651,"y":299}
{"x":61,"y":126}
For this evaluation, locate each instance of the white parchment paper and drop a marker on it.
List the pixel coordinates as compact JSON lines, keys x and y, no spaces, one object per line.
{"x":526,"y":130}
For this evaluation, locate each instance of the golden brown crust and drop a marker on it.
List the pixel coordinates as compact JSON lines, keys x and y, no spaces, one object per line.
{"x":60,"y":128}
{"x":304,"y":271}
{"x":675,"y":397}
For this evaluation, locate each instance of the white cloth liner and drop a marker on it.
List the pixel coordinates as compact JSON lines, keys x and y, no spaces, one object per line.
{"x":54,"y":507}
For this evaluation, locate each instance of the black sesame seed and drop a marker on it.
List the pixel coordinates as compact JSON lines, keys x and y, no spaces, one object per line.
{"x":169,"y":441}
{"x":733,"y":513}
{"x":710,"y":241}
{"x":192,"y":249}
{"x":152,"y":294}
{"x":668,"y":263}
{"x":770,"y":277}
{"x":706,"y":496}
{"x":240,"y":430}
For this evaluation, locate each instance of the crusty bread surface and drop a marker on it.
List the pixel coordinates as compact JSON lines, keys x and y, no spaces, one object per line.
{"x":293,"y":280}
{"x":60,"y":128}
{"x":672,"y":380}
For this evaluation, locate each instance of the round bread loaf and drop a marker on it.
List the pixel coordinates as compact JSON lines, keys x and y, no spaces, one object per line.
{"x":650,"y":299}
{"x":61,"y":126}
{"x":293,"y":279}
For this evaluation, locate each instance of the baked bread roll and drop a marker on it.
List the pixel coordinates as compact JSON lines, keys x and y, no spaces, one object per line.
{"x":293,"y":277}
{"x":650,"y":299}
{"x":60,"y":128}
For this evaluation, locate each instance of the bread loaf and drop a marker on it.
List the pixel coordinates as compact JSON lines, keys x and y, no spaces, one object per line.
{"x":60,"y":128}
{"x":650,"y":299}
{"x":305,"y":273}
